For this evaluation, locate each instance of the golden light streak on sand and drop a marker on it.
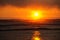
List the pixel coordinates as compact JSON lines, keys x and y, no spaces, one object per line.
{"x":36,"y":35}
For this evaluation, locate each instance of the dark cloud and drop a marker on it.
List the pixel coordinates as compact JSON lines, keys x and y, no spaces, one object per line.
{"x":57,"y":2}
{"x":23,"y":3}
{"x":20,"y":3}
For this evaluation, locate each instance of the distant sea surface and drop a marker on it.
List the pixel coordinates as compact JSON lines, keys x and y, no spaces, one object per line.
{"x":18,"y":30}
{"x":28,"y":35}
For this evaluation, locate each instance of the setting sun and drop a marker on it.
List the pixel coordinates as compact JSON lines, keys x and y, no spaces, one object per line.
{"x":36,"y":15}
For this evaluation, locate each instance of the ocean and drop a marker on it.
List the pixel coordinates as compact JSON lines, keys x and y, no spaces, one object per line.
{"x":12,"y":30}
{"x":28,"y":35}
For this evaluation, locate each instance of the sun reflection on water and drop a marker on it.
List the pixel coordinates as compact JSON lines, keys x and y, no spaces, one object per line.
{"x":36,"y":35}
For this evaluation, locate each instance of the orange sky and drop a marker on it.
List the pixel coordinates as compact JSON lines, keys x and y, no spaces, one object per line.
{"x":12,"y":12}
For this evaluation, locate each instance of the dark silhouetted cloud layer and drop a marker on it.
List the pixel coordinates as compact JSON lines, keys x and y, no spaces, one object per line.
{"x":24,"y":3}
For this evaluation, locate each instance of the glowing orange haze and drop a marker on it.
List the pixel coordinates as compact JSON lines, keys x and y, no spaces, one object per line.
{"x":29,"y":13}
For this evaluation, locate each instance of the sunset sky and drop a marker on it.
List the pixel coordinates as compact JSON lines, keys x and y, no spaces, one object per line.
{"x":25,"y":9}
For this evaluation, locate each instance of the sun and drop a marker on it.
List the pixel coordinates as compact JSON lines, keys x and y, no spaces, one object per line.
{"x":36,"y":15}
